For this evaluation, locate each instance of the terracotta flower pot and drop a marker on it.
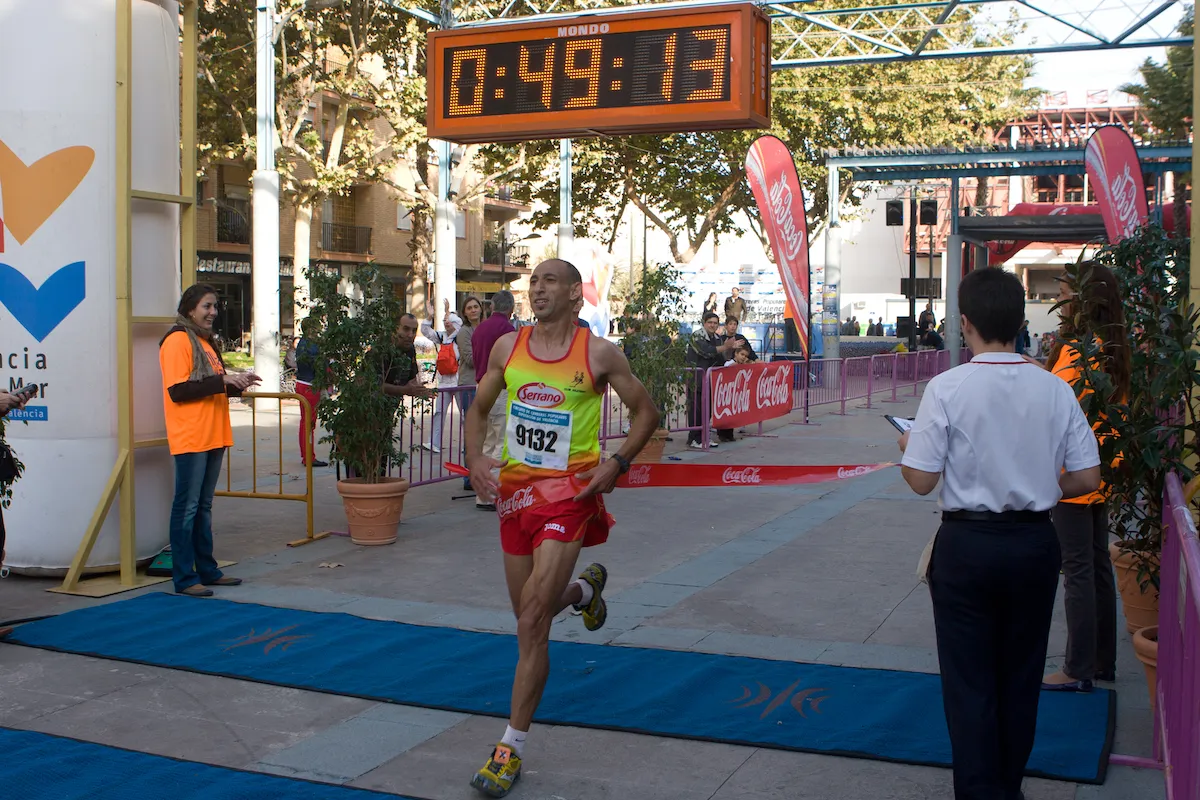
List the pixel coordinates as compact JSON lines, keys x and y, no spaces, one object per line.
{"x":1145,"y":644}
{"x":373,"y":509}
{"x":652,"y":453}
{"x":1141,"y":607}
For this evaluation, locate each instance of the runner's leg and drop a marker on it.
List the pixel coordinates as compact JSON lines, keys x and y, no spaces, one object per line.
{"x":517,"y":571}
{"x":540,"y":601}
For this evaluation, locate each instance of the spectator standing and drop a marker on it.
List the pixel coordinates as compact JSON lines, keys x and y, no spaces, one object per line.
{"x":927,"y":319}
{"x":472,"y":315}
{"x":308,"y":361}
{"x":735,"y":306}
{"x":1024,"y":344}
{"x":730,"y":334}
{"x":710,"y":305}
{"x":705,"y":350}
{"x":196,"y":392}
{"x":994,"y":567}
{"x":1089,"y":592}
{"x":446,"y":380}
{"x":482,"y":341}
{"x":8,"y":469}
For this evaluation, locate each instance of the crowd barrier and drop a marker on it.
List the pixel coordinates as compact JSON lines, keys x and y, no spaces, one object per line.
{"x":255,"y":493}
{"x":815,"y":383}
{"x":1177,"y":695}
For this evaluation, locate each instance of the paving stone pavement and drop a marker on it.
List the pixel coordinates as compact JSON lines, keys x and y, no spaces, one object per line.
{"x":819,"y":574}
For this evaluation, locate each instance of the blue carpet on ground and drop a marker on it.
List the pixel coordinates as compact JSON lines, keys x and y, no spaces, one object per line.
{"x":870,"y":713}
{"x":38,"y":766}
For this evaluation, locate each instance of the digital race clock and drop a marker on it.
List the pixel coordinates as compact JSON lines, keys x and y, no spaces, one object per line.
{"x":609,"y":72}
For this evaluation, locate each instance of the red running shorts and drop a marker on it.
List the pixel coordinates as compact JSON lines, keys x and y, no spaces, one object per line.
{"x":564,"y":521}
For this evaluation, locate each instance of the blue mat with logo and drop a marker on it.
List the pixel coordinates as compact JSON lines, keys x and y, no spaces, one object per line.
{"x":869,"y":713}
{"x":38,"y":766}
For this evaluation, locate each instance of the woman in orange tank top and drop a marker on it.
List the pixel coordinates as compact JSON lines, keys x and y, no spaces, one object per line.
{"x":1090,"y":596}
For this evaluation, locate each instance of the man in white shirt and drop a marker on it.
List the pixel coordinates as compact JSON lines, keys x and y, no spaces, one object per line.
{"x":994,"y":569}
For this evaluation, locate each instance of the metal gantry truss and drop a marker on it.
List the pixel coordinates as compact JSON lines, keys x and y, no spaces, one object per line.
{"x":815,"y":33}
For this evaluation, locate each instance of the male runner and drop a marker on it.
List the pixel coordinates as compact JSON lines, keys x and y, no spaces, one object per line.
{"x":555,"y":374}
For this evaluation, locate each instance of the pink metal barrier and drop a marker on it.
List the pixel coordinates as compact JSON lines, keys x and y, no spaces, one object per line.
{"x":830,"y":381}
{"x":1177,"y":706}
{"x":432,"y":431}
{"x":615,"y":421}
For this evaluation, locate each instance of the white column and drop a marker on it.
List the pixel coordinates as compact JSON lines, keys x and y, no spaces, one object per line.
{"x":833,"y":265}
{"x":445,"y":271}
{"x":265,"y":265}
{"x":566,"y":229}
{"x":954,"y":245}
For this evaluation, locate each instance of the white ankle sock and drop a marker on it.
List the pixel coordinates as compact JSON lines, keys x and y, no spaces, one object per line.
{"x":586,"y":593}
{"x":515,"y":739}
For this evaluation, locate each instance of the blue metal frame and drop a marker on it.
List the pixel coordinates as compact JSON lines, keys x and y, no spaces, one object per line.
{"x":809,"y":33}
{"x":907,"y":165}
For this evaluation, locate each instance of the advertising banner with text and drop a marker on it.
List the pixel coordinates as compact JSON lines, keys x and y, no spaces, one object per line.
{"x":1116,"y":178}
{"x":771,"y":173}
{"x":749,"y":393}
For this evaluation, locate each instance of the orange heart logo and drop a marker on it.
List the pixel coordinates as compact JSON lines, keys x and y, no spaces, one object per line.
{"x":32,"y":193}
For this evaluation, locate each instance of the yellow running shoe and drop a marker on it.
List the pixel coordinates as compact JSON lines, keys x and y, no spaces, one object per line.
{"x":497,"y":776}
{"x":596,"y":611}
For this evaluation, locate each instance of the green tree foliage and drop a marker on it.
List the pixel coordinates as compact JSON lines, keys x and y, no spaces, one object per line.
{"x":650,"y":322}
{"x":690,"y":184}
{"x":1153,"y":432}
{"x":1165,"y":92}
{"x":357,"y":339}
{"x":365,"y":59}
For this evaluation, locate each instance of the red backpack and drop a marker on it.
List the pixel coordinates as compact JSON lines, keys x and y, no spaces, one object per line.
{"x":447,"y":362}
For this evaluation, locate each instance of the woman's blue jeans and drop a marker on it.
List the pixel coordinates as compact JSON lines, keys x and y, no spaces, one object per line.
{"x":192,"y":559}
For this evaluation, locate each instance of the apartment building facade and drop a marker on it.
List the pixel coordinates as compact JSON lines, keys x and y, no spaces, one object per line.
{"x":369,"y":223}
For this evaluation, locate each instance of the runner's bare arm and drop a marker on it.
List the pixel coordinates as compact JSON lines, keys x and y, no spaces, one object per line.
{"x":486,"y":395}
{"x":610,"y":366}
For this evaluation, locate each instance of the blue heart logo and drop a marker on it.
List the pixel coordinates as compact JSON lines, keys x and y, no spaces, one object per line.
{"x":40,"y":311}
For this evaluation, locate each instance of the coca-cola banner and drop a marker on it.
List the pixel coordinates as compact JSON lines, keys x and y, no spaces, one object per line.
{"x":648,"y":476}
{"x":1116,"y":178}
{"x":772,"y":176}
{"x":749,"y":393}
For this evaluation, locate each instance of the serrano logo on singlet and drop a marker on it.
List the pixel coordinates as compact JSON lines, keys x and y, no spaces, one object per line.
{"x":540,"y":395}
{"x":519,"y":501}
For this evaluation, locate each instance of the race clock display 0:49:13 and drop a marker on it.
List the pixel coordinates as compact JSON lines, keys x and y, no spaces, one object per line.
{"x":604,"y":70}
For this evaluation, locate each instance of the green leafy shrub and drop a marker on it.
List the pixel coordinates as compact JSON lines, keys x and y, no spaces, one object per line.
{"x":1151,"y":433}
{"x":357,"y":338}
{"x":657,"y":353}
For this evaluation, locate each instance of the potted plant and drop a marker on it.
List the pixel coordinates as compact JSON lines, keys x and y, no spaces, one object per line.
{"x":1152,"y":432}
{"x":357,"y":341}
{"x":1145,"y":645}
{"x":657,"y":353}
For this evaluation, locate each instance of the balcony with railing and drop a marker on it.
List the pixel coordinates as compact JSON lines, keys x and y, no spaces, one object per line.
{"x":233,"y":226}
{"x":502,"y":254}
{"x":345,"y":238}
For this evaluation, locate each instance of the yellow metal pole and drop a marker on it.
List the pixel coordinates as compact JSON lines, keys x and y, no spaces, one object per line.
{"x":187,"y":175}
{"x":124,"y":298}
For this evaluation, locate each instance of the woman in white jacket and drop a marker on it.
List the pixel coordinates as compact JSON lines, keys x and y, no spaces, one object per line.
{"x":453,"y":324}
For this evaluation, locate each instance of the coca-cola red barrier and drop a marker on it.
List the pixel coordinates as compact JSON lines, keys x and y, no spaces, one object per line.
{"x":645,"y":476}
{"x":749,"y":393}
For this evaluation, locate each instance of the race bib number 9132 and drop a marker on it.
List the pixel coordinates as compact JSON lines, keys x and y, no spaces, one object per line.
{"x":539,"y":437}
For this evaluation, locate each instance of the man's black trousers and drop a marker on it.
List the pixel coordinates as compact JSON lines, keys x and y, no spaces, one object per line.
{"x":993,"y":586}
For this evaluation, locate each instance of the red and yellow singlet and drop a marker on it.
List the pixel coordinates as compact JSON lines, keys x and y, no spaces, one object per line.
{"x":553,"y":431}
{"x":553,"y":414}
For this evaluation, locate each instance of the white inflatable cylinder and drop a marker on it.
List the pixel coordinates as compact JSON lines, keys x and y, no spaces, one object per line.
{"x":58,"y":266}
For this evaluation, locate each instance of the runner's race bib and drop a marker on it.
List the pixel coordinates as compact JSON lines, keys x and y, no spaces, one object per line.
{"x":539,"y":437}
